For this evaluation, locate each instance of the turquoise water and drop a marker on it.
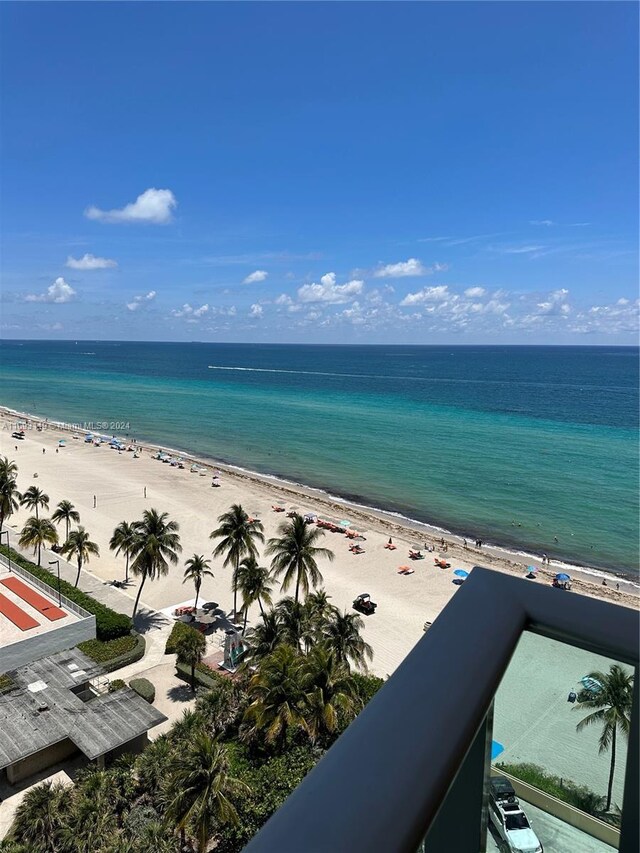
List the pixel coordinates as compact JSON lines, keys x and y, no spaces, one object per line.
{"x":516,"y":445}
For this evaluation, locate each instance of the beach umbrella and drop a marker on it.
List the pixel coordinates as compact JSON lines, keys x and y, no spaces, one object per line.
{"x":61,"y":443}
{"x":345,"y":523}
{"x":591,"y":684}
{"x":563,"y":577}
{"x":532,"y":568}
{"x":460,"y":573}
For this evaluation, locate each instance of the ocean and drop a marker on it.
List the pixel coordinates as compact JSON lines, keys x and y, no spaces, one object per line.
{"x":532,"y":448}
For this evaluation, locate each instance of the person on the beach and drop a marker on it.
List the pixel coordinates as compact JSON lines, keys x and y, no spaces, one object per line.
{"x":43,"y":450}
{"x":464,"y":544}
{"x":604,"y":582}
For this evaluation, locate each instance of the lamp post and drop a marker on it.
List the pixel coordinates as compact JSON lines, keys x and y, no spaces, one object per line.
{"x":6,"y":533}
{"x":57,"y":563}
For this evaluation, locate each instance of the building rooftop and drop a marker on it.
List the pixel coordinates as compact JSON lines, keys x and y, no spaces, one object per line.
{"x":43,"y":710}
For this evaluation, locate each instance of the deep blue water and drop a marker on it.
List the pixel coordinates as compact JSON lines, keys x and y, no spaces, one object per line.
{"x":517,"y":445}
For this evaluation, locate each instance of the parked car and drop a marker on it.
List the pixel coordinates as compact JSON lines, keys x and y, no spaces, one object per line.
{"x":364,"y":604}
{"x":511,"y":823}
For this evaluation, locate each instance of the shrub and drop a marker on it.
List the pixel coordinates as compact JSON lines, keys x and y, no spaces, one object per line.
{"x":143,"y":687}
{"x":179,"y":629}
{"x":578,"y":796}
{"x":6,"y":684}
{"x":114,"y":654}
{"x":366,"y":686}
{"x":116,"y":684}
{"x":109,"y":624}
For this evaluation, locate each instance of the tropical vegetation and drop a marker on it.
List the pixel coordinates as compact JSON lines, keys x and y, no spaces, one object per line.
{"x":122,"y":542}
{"x":196,"y":569}
{"x":36,"y":534}
{"x":155,"y":547}
{"x":238,"y":534}
{"x":67,"y":513}
{"x":295,"y":555}
{"x":34,"y":498}
{"x":79,"y":546}
{"x":609,"y":697}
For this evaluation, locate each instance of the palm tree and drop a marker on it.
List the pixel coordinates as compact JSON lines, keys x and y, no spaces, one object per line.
{"x":154,"y":766}
{"x":34,"y":498}
{"x":330,"y":692}
{"x":263,"y":639}
{"x":611,"y":701}
{"x":65,"y":511}
{"x":80,"y":546}
{"x":319,"y":611}
{"x":10,"y":497}
{"x":36,"y":533}
{"x":253,"y":582}
{"x":122,"y":541}
{"x":42,"y":816}
{"x":157,"y":544}
{"x":202,"y":789}
{"x":190,"y":649}
{"x":293,"y":621}
{"x":294,"y":554}
{"x":238,"y":535}
{"x":8,"y":469}
{"x":196,"y":569}
{"x":342,"y":635}
{"x":277,"y":693}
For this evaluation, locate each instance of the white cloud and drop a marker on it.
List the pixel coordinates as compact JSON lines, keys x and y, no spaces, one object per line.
{"x":329,"y":291}
{"x":189,"y":311}
{"x":517,"y":250}
{"x":427,"y":294}
{"x":90,"y":262}
{"x":474,"y":292}
{"x":284,"y":299}
{"x":555,"y":303}
{"x":621,"y":318}
{"x":412,"y":267}
{"x":546,"y":222}
{"x":152,"y":206}
{"x":139,"y":301}
{"x":255,"y":277}
{"x":255,"y":310}
{"x":58,"y":292}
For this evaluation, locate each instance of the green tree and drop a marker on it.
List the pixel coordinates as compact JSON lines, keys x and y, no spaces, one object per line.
{"x":202,"y":789}
{"x":65,"y":511}
{"x":261,"y":640}
{"x":294,"y":624}
{"x":122,"y":542}
{"x":295,"y":554}
{"x":34,"y":498}
{"x":41,"y":817}
{"x":253,"y":584}
{"x":10,"y":497}
{"x":197,"y":568}
{"x":277,"y":698}
{"x":342,"y":634}
{"x":330,"y":692}
{"x":80,"y":547}
{"x":156,"y":545}
{"x":36,"y":533}
{"x":610,"y":702}
{"x":238,"y":535}
{"x":190,"y":649}
{"x":154,"y":766}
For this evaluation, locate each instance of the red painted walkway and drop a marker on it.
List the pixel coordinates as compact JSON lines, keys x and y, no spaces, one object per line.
{"x":15,"y":615}
{"x":37,"y":601}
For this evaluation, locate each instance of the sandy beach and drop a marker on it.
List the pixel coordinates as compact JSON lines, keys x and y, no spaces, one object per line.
{"x":79,"y":472}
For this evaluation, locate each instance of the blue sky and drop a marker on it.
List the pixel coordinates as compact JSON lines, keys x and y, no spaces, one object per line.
{"x":338,"y":172}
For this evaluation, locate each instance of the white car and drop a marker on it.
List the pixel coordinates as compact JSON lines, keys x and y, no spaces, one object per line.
{"x":511,"y":823}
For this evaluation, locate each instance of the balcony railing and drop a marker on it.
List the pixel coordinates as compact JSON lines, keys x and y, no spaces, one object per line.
{"x":411,"y":772}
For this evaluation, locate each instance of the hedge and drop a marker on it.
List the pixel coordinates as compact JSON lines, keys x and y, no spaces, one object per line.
{"x":116,"y":684}
{"x":205,"y":676}
{"x":179,"y":629}
{"x":114,"y":654}
{"x":109,"y":624}
{"x":143,"y":687}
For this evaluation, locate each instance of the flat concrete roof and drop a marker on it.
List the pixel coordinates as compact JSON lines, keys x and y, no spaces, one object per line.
{"x":43,"y":710}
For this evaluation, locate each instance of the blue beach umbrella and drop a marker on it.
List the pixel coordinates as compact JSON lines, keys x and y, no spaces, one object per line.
{"x":345,"y":523}
{"x":532,"y":568}
{"x":563,"y":577}
{"x":461,"y":573}
{"x":591,"y":684}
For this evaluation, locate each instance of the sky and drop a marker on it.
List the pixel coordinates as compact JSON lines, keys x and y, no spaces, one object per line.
{"x":320,"y":172}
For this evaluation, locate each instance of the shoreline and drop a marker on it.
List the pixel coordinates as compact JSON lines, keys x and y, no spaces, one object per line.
{"x":390,"y":522}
